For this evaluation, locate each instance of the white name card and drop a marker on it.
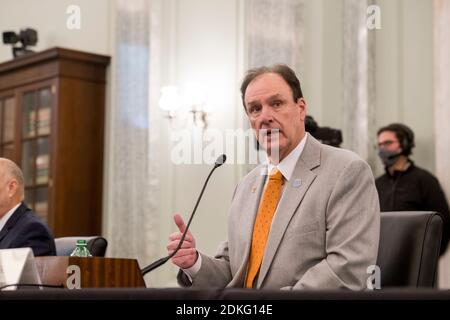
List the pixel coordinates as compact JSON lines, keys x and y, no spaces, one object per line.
{"x":17,"y":266}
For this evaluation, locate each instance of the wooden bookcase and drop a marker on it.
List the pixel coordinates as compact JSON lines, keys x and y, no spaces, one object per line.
{"x":52,"y":106}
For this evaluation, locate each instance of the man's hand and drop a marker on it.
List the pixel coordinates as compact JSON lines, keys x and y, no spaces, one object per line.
{"x":187,"y":255}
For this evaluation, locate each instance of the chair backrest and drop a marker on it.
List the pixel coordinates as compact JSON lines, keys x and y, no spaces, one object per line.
{"x":96,"y":245}
{"x":408,"y":253}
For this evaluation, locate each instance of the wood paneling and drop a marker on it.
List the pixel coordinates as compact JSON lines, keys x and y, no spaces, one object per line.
{"x":95,"y":272}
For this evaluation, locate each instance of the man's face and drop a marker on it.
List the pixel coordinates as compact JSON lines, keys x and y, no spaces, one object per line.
{"x":387,"y":140}
{"x":270,"y":105}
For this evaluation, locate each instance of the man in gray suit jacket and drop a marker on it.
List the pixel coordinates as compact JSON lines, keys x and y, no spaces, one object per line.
{"x":325,"y":230}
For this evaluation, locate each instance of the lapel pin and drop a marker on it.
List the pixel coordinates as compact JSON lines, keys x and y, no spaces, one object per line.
{"x":297,"y":183}
{"x":253,"y":189}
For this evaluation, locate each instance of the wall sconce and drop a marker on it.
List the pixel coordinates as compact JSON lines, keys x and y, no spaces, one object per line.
{"x":170,"y":101}
{"x":192,"y":100}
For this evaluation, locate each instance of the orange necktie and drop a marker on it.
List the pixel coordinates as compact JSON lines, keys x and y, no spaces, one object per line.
{"x":262,"y":224}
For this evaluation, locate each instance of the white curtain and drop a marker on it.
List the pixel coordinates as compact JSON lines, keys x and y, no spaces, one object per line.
{"x":274,"y":32}
{"x":358,"y":81}
{"x":441,"y":48}
{"x":131,"y":204}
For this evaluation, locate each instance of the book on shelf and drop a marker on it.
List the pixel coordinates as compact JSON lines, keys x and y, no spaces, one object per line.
{"x":29,"y":124}
{"x":42,"y":168}
{"x":43,"y":124}
{"x":42,"y":176}
{"x":8,"y":126}
{"x":41,"y":208}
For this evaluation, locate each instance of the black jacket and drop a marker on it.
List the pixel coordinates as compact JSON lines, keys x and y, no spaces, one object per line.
{"x":414,"y":190}
{"x":25,"y":229}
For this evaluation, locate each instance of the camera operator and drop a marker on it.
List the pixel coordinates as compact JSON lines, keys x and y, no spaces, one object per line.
{"x":404,"y":186}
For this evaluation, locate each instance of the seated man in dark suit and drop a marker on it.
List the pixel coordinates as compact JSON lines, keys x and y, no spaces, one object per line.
{"x":19,"y":226}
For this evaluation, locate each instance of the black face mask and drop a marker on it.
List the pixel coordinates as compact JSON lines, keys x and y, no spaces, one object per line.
{"x":389,"y":157}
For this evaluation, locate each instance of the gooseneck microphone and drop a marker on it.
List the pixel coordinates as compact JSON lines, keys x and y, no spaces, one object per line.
{"x":220,"y":161}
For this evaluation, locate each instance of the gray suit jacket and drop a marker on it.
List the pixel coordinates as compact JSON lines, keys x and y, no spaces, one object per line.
{"x":324,"y":234}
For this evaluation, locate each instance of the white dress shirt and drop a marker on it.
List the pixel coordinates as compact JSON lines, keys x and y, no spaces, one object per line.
{"x":286,"y":167}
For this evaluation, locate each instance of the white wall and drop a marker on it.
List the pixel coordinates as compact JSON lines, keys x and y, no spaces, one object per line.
{"x":49,"y":17}
{"x":207,"y":52}
{"x":201,"y":43}
{"x":321,"y":80}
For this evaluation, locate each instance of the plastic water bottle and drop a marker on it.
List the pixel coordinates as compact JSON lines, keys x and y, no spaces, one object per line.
{"x":81,"y":250}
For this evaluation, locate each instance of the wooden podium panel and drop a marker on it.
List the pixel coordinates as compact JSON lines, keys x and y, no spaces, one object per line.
{"x":93,"y":272}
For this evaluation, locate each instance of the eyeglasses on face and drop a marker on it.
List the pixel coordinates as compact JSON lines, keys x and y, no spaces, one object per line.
{"x":386,"y":143}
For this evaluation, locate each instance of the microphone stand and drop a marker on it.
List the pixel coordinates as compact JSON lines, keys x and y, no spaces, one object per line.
{"x":220,"y":161}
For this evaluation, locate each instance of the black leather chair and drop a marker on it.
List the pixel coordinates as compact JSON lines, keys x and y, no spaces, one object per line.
{"x":96,"y":245}
{"x":409,"y":247}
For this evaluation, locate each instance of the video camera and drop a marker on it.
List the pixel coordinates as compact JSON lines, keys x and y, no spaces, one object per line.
{"x":326,"y":135}
{"x":27,"y":37}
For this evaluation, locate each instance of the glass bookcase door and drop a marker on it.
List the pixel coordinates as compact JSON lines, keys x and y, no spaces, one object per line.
{"x":9,"y":113}
{"x":29,"y":196}
{"x":44,"y":110}
{"x":42,"y":160}
{"x":28,"y":162}
{"x":36,"y":130}
{"x":29,"y":115}
{"x":7,"y":127}
{"x":41,"y":202}
{"x":8,"y":151}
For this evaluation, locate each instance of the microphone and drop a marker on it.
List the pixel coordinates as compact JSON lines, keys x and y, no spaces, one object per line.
{"x":220,"y":161}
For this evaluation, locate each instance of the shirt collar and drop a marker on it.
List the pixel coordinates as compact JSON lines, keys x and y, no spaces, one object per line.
{"x":8,"y":215}
{"x":287,"y":165}
{"x":397,"y":173}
